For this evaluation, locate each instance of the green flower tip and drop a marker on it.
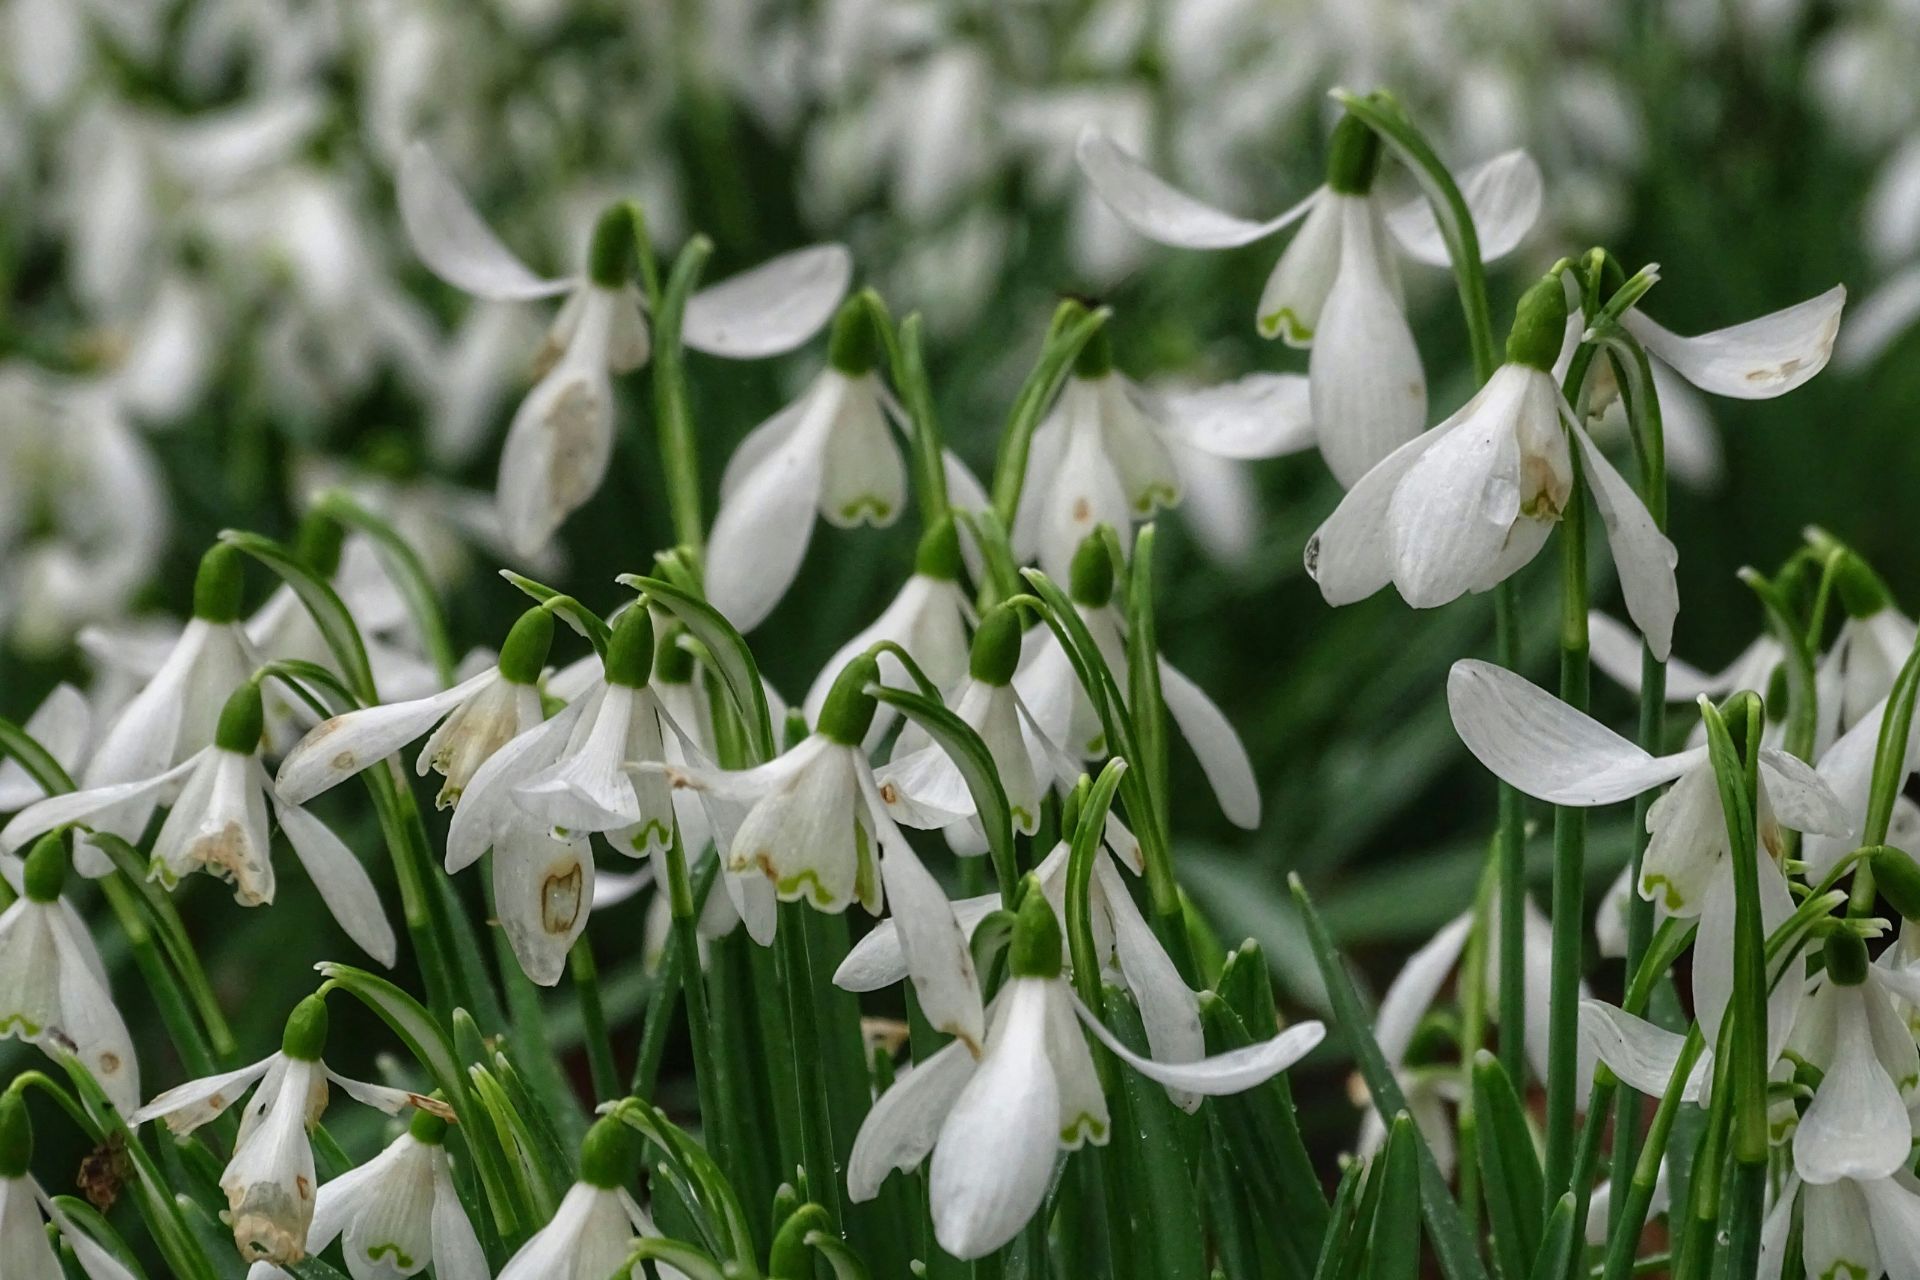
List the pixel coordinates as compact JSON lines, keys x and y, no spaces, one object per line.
{"x":939,"y":553}
{"x":45,"y":874}
{"x":1353,"y":157}
{"x":853,"y":347}
{"x":242,"y":721}
{"x":1862,"y":592}
{"x":427,"y":1128}
{"x":849,"y":707}
{"x":1846,"y":959}
{"x":1539,"y":325}
{"x":996,"y":646}
{"x":216,"y":589}
{"x":672,"y":664}
{"x":610,"y":258}
{"x":1096,"y":358}
{"x":525,"y":650}
{"x":1090,"y":581}
{"x":318,"y":543}
{"x":1036,"y":949}
{"x":630,"y":651}
{"x":305,"y":1038}
{"x":16,"y":1136}
{"x":1898,"y":878}
{"x":609,"y":1155}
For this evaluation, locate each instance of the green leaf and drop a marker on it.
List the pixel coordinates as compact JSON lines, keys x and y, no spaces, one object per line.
{"x":1556,"y":1254}
{"x":34,"y":758}
{"x":731,"y":656}
{"x":1394,"y":1253}
{"x":98,"y":1229}
{"x":970,"y":755}
{"x":1452,"y":1241}
{"x":406,"y":1018}
{"x":322,"y":602}
{"x":1511,"y":1180}
{"x":1143,"y":672}
{"x":407,"y":572}
{"x":1155,"y":1136}
{"x":584,"y":621}
{"x":1340,"y":1222}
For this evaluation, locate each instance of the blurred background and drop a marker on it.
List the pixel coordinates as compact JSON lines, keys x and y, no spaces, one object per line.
{"x":208,"y":311}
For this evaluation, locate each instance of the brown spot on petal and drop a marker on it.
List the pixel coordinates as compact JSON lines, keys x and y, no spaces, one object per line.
{"x":433,"y":1106}
{"x":889,"y":793}
{"x":1082,"y":510}
{"x":560,"y":900}
{"x":109,"y":1062}
{"x":345,"y":760}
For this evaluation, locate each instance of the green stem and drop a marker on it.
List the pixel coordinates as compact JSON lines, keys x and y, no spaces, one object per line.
{"x":593,"y":1020}
{"x":181,"y":1028}
{"x":679,"y":454}
{"x":816,"y":1129}
{"x":1510,"y":851}
{"x":1630,"y":1212}
{"x":709,"y":1069}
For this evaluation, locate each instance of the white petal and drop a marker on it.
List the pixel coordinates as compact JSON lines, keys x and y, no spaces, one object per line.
{"x":554,"y":1249}
{"x":938,"y":957}
{"x":1839,"y":1237}
{"x":191,"y":1105}
{"x":901,"y":1128}
{"x":1642,"y":555}
{"x":1847,"y":767}
{"x":543,"y":891}
{"x":343,"y":883}
{"x":1503,"y":195}
{"x":1168,"y":1010}
{"x":1531,"y":740}
{"x":864,"y":480}
{"x":98,"y":807}
{"x":337,"y":749}
{"x":995,"y":1154}
{"x":879,"y":960}
{"x":760,"y":444}
{"x":1235,"y":1071}
{"x":89,"y":1018}
{"x":925,"y":789}
{"x":1856,"y":1127}
{"x":95,"y":1262}
{"x":1412,"y":992}
{"x":1687,"y":843}
{"x":488,"y":806}
{"x":1350,"y":555}
{"x":1160,"y":212}
{"x":1638,"y":1052}
{"x":1222,"y":756}
{"x":61,"y":724}
{"x":453,"y":241}
{"x":378,"y":1096}
{"x":1296,"y":291}
{"x":1757,"y":360}
{"x":772,"y":308}
{"x":1800,"y":797}
{"x":347,"y":1196}
{"x":1893,"y":1207}
{"x":1263,"y":415}
{"x":761,"y":532}
{"x":1368,"y":391}
{"x":1083,"y":1107}
{"x":587,"y":789}
{"x":561,"y":438}
{"x":456,"y":1249}
{"x":1616,"y":651}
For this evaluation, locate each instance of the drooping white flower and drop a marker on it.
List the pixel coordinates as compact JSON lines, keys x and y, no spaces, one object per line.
{"x":1469,"y":503}
{"x":174,"y":715}
{"x":1336,"y":288}
{"x":63,"y":724}
{"x":25,"y":1208}
{"x":1857,"y":1125}
{"x":928,"y":618}
{"x":590,"y":1235}
{"x":1065,"y":716}
{"x":1111,"y":453}
{"x":1849,"y":1227}
{"x":1847,"y":769}
{"x":399,"y":1212}
{"x":220,"y":800}
{"x":562,"y":436}
{"x":996,"y":1117}
{"x":269,"y":1183}
{"x":816,"y":827}
{"x":53,"y":986}
{"x":475,"y":717}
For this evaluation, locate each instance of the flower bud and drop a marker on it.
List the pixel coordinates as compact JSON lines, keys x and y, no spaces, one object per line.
{"x":939,"y":554}
{"x":1090,"y":581}
{"x":853,"y":347}
{"x":525,"y":649}
{"x":1353,"y":158}
{"x":672,"y":664}
{"x":610,"y":260}
{"x":630,"y":651}
{"x":216,"y":589}
{"x":1897,"y":877}
{"x":1846,"y":959}
{"x":305,"y":1039}
{"x":1036,"y":949}
{"x":241,"y":721}
{"x":44,"y":876}
{"x":427,"y":1128}
{"x":609,"y":1155}
{"x":1862,"y":593}
{"x":1539,"y":325}
{"x":849,"y":708}
{"x":318,"y":542}
{"x":1096,"y":358}
{"x":16,"y":1136}
{"x":996,"y":647}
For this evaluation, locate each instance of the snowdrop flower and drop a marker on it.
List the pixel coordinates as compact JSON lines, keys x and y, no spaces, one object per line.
{"x":399,"y":1211}
{"x":221,"y":798}
{"x":475,"y":717}
{"x":1531,"y":740}
{"x":928,"y":619}
{"x":53,"y":986}
{"x":589,"y":788}
{"x":831,"y":451}
{"x":591,"y":1233}
{"x":1110,"y":454}
{"x":24,"y":1206}
{"x":995,"y":1118}
{"x":1873,"y":643}
{"x":174,"y":715}
{"x":1063,"y":714}
{"x":1849,"y":1227}
{"x":1857,"y":1125}
{"x":561,"y":438}
{"x":1336,"y":288}
{"x":814,"y":819}
{"x":63,"y":725}
{"x":1846,"y":768}
{"x":269,"y":1182}
{"x":1615,"y":650}
{"x":1469,"y":503}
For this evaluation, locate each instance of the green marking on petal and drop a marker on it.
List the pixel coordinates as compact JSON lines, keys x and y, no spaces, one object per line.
{"x":869,"y":507}
{"x":650,"y":833}
{"x":1272,"y":325}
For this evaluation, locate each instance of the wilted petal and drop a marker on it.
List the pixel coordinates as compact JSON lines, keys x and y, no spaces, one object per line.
{"x":188,"y":1106}
{"x":336,"y":749}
